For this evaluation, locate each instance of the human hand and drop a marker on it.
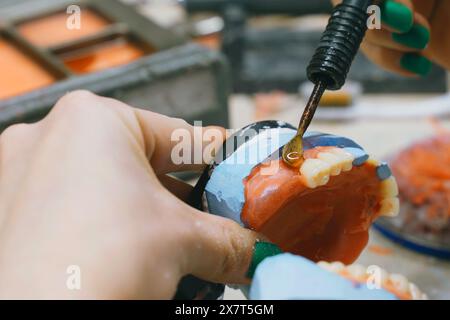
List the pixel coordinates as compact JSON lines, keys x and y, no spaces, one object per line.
{"x":87,"y":186}
{"x":414,"y":34}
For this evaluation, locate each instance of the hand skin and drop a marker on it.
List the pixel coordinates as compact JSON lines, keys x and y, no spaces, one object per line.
{"x":87,"y":186}
{"x":434,"y":15}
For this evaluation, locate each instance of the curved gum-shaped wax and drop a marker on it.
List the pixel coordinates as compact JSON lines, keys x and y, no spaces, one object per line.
{"x":328,"y":222}
{"x":225,"y":191}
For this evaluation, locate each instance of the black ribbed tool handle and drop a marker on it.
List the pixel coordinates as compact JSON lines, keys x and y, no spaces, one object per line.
{"x":339,"y":44}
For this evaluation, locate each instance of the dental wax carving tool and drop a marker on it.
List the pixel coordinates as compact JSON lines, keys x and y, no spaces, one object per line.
{"x":330,"y":64}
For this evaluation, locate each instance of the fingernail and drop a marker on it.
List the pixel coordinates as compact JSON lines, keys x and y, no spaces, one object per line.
{"x":415,"y":63}
{"x":416,"y":38}
{"x":261,"y":251}
{"x":396,"y":16}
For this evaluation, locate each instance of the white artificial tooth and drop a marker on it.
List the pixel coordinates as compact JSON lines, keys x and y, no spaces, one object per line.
{"x":389,"y":207}
{"x":389,"y":188}
{"x":357,"y":271}
{"x":337,"y":266}
{"x":399,"y":282}
{"x":373,"y":162}
{"x":333,"y":160}
{"x":415,"y":292}
{"x":316,"y":172}
{"x":345,"y":158}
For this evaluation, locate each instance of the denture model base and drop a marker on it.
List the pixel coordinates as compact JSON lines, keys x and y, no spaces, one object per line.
{"x":322,"y":210}
{"x":289,"y":277}
{"x":376,"y":277}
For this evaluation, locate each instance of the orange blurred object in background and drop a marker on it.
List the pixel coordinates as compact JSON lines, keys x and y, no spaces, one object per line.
{"x":210,"y":41}
{"x":19,"y":73}
{"x":102,"y":56}
{"x":53,"y":30}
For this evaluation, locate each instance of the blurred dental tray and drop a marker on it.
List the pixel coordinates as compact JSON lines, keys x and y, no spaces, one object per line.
{"x":392,"y":230}
{"x":114,"y":51}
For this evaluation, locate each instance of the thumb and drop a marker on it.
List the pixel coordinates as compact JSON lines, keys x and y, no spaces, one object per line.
{"x":221,"y":250}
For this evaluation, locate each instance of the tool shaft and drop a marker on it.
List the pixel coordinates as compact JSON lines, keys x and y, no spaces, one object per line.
{"x":293,"y":151}
{"x":311,"y":107}
{"x":330,"y":64}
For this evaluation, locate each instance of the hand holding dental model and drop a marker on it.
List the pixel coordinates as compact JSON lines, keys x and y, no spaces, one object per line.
{"x":86,"y":187}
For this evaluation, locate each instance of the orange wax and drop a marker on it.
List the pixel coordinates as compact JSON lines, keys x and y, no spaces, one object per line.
{"x":328,"y":223}
{"x":19,"y":73}
{"x":52,"y":29}
{"x":104,"y":56}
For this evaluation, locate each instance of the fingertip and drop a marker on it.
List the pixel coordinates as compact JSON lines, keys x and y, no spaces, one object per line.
{"x":418,"y":36}
{"x":388,"y":59}
{"x":221,"y":129}
{"x":397,"y":15}
{"x":416,"y":64}
{"x":214,"y":134}
{"x":221,"y":250}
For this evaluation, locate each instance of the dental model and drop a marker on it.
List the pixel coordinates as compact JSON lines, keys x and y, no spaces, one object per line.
{"x":321,"y":211}
{"x":396,"y":284}
{"x":289,"y":277}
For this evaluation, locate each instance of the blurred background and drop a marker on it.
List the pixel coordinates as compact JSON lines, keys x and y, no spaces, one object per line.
{"x":227,"y":63}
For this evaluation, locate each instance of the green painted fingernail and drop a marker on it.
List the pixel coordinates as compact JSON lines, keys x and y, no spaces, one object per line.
{"x":416,"y":38}
{"x":261,"y":251}
{"x":397,"y":16}
{"x":415,"y":63}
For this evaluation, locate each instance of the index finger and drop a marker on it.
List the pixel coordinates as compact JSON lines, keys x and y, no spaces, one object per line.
{"x":173,"y":145}
{"x":170,"y":144}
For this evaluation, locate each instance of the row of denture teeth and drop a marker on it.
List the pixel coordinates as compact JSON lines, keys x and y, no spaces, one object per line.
{"x":317,"y":172}
{"x":361,"y":274}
